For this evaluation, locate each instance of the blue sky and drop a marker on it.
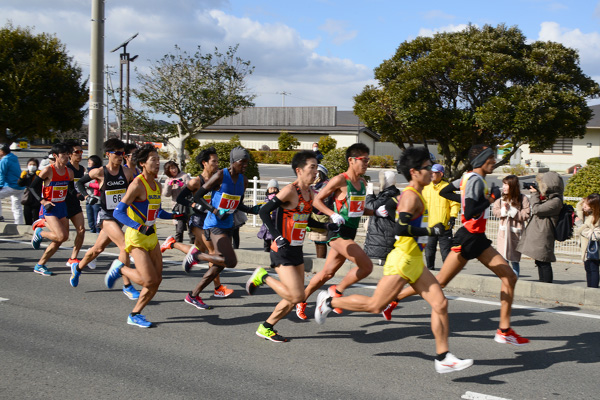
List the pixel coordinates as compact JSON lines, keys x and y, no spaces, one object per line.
{"x":322,"y":52}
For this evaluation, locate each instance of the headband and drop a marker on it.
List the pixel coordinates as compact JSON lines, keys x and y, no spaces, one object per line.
{"x":482,"y":157}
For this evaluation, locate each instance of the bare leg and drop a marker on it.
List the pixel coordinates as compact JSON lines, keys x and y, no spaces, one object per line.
{"x":78,"y":223}
{"x":352,"y":252}
{"x":290,"y":287}
{"x":148,"y":274}
{"x":333,"y":262}
{"x":223,"y":248}
{"x":206,"y":246}
{"x":59,"y":233}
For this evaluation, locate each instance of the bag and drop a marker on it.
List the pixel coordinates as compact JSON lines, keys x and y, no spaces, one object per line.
{"x":564,"y":227}
{"x":593,"y":250}
{"x":27,"y":197}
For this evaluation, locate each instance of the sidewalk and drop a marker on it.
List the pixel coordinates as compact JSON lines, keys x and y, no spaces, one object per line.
{"x":569,"y":287}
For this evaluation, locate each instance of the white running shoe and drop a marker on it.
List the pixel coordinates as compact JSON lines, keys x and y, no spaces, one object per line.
{"x":322,"y":309}
{"x":92,"y":264}
{"x":452,"y":364}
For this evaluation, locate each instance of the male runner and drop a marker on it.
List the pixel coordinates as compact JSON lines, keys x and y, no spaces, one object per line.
{"x":470,"y":241}
{"x":405,"y":264}
{"x":73,"y":201}
{"x":209,"y":160}
{"x":129,"y":149}
{"x":349,"y":190}
{"x":113,"y":180}
{"x":56,"y":178}
{"x":228,"y":186}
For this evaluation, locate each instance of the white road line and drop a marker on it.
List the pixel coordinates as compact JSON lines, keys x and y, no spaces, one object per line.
{"x":3,"y":299}
{"x":480,"y":396}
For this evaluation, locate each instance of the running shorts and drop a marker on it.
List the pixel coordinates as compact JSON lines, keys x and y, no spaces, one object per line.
{"x":469,"y":245}
{"x":104,"y":215}
{"x":133,"y":238}
{"x":59,"y":210}
{"x":408,"y":266}
{"x":344,"y":232}
{"x":288,"y":255}
{"x":197,"y":221}
{"x":220,"y":231}
{"x":73,"y":207}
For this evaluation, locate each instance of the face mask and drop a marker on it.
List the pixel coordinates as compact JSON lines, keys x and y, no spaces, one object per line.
{"x":315,"y":148}
{"x":31,"y":168}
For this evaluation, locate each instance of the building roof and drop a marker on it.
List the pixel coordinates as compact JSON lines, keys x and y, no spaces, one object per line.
{"x":595,"y":121}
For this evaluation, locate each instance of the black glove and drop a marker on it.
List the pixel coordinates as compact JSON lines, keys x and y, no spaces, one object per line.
{"x":451,"y":222}
{"x":197,"y":207}
{"x":438,"y":229}
{"x":255,"y":209}
{"x":48,"y":207}
{"x":280,"y":242}
{"x":495,"y":191}
{"x":221,"y":213}
{"x":91,"y":200}
{"x":146,"y":230}
{"x":80,"y":197}
{"x":332,"y":227}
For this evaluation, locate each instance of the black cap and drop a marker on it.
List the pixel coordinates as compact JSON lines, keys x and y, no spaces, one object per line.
{"x":5,"y":147}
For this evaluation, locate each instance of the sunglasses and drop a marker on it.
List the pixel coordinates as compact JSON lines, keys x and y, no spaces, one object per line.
{"x":77,"y":151}
{"x":363,"y":158}
{"x":117,"y":153}
{"x":426,"y":168}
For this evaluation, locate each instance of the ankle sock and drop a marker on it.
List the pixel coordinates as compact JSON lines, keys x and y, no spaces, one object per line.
{"x":267,"y":325}
{"x":440,"y":357}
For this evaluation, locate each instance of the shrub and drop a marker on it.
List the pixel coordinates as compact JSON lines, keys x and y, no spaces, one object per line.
{"x":593,"y":161}
{"x":223,"y":150}
{"x":382,"y":162}
{"x":518,"y":170}
{"x":274,"y":157}
{"x":287,"y":142}
{"x":326,"y":144}
{"x":191,"y":144}
{"x":584,"y":182}
{"x":335,"y":161}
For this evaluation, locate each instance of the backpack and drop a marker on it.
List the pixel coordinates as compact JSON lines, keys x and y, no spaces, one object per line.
{"x":564,"y":227}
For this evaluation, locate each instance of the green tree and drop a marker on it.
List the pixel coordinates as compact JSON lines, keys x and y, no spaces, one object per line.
{"x":41,"y":90}
{"x":326,"y":144}
{"x":335,"y":161}
{"x":286,"y":141}
{"x":223,"y":149}
{"x":197,"y":90}
{"x":481,"y":85}
{"x":585,"y":182}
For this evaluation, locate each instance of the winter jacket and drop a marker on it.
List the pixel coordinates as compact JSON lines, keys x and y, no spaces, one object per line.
{"x":439,"y":208}
{"x":10,"y":171}
{"x":586,"y":229}
{"x":380,"y":233}
{"x":263,"y":231}
{"x":511,"y":226}
{"x":538,"y":239}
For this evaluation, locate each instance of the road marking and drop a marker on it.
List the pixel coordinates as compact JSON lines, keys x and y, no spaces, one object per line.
{"x":3,"y":299}
{"x":480,"y":396}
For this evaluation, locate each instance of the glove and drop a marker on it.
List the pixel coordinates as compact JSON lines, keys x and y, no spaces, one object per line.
{"x":80,"y":197}
{"x":222,"y":213}
{"x":451,"y":222}
{"x":255,"y":209}
{"x":91,"y":200}
{"x":280,"y":241}
{"x":146,"y":230}
{"x":495,"y":192}
{"x":438,"y":229}
{"x":48,"y":207}
{"x":197,"y":207}
{"x":332,"y":227}
{"x":381,"y":212}
{"x":337,"y":219}
{"x":179,"y":215}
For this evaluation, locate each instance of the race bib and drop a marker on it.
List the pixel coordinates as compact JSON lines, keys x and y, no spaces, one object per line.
{"x":113,"y":198}
{"x":298,"y":233}
{"x":208,"y":197}
{"x":357,"y":206}
{"x":152,"y":213}
{"x":59,"y":193}
{"x":229,"y":202}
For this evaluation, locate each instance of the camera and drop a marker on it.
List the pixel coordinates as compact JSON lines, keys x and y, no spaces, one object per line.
{"x":529,"y":185}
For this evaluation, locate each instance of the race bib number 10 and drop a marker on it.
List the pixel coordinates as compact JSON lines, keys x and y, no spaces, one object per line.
{"x":229,"y":202}
{"x":357,"y":206}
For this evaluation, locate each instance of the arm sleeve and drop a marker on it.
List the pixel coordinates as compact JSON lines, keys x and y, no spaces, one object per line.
{"x":474,"y":208}
{"x":199,"y":198}
{"x":162,"y":214}
{"x":36,"y":183}
{"x":120,"y":215}
{"x":265,"y":215}
{"x":81,"y":183}
{"x":403,"y":228}
{"x":182,"y":198}
{"x":313,"y":223}
{"x":448,"y":192}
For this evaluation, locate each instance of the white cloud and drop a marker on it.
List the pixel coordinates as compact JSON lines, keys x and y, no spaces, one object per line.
{"x":338,"y":31}
{"x":447,"y":28}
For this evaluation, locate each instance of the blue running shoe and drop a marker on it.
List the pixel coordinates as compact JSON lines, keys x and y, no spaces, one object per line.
{"x":42,"y":270}
{"x":131,"y":292}
{"x":37,"y":238}
{"x":74,"y":275}
{"x":114,"y":273}
{"x":138,"y":320}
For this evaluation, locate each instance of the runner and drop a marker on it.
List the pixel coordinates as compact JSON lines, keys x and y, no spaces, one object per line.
{"x":73,"y":201}
{"x":113,"y":180}
{"x":209,"y":160}
{"x":405,"y":264}
{"x":129,"y":149}
{"x":295,"y":204}
{"x":470,"y":241}
{"x":228,"y":186}
{"x":349,"y":206}
{"x":56,"y":179}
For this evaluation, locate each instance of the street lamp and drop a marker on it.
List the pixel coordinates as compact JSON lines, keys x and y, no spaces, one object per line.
{"x":125,"y":59}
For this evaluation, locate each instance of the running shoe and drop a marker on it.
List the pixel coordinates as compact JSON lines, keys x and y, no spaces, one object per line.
{"x":138,"y":320}
{"x":114,"y":273}
{"x":197,"y":302}
{"x":42,"y":270}
{"x":387,"y":312}
{"x":189,"y":261}
{"x":256,"y":280}
{"x":74,"y":274}
{"x":322,"y":309}
{"x":38,"y":223}
{"x":37,"y":238}
{"x":452,"y":364}
{"x":131,"y":292}
{"x":72,"y":261}
{"x":92,"y":264}
{"x":510,"y":337}
{"x":301,"y":311}
{"x":222,"y":291}
{"x":270,"y":334}
{"x":333,"y":293}
{"x":167,"y":244}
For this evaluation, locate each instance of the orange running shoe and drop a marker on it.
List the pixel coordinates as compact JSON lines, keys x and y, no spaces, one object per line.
{"x":38,"y":223}
{"x":332,"y":293}
{"x":387,"y":313}
{"x":301,"y":311}
{"x":222,"y":291}
{"x":167,"y":244}
{"x":510,"y":337}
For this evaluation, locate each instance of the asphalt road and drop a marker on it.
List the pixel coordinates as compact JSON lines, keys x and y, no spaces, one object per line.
{"x":58,"y":342}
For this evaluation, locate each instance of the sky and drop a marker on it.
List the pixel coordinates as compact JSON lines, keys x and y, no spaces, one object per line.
{"x":317,"y":52}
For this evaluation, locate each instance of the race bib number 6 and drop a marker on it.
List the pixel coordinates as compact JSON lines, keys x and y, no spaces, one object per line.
{"x":113,"y":198}
{"x":357,"y":206}
{"x":229,"y":202}
{"x":298,"y":233}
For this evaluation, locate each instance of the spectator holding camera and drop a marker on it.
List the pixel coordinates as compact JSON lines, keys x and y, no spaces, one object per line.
{"x":176,"y":181}
{"x":588,"y":211}
{"x":537,"y":241}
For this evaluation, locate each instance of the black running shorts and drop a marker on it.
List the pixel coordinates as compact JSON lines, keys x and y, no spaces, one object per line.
{"x":469,"y":245}
{"x":344,"y":232}
{"x":288,"y":255}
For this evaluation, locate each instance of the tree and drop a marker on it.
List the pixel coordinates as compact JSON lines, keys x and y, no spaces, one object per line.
{"x":223,"y":149}
{"x":197,"y":89}
{"x":326,"y":144}
{"x":483,"y":85}
{"x":287,"y":142}
{"x":41,"y":91}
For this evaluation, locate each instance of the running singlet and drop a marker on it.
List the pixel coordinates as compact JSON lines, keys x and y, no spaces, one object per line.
{"x":145,"y":212}
{"x":293,"y":223}
{"x":77,"y":175}
{"x":353,"y":206}
{"x":474,"y":225}
{"x":207,"y":196}
{"x":410,"y":244}
{"x":227,"y":197}
{"x":56,"y":191}
{"x":113,"y":189}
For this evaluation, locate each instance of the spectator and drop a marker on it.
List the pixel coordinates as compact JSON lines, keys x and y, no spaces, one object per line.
{"x":263,"y":232}
{"x":316,"y":150}
{"x":92,"y":203}
{"x":513,"y":211}
{"x":31,"y":205}
{"x":319,"y":236}
{"x":441,"y":210}
{"x":10,"y":172}
{"x":588,"y":211}
{"x":537,"y":241}
{"x":380,"y":231}
{"x":176,"y":181}
{"x":239,"y":219}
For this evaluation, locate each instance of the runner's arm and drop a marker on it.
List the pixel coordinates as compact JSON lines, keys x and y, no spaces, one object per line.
{"x":447,"y":192}
{"x":80,"y":185}
{"x":182,"y":198}
{"x":403,"y":227}
{"x":36,"y":183}
{"x":265,"y":215}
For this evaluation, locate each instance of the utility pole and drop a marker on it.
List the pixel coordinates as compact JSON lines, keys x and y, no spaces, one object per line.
{"x":125,"y":59}
{"x":283,"y":94}
{"x":95,"y":126}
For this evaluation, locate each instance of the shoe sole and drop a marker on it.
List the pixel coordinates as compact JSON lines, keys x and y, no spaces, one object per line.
{"x":199,"y":308}
{"x":187,"y":270}
{"x":250,"y":282}
{"x":42,"y":273}
{"x":138,"y":325}
{"x":319,"y":316}
{"x":504,"y":341}
{"x":445,"y":371}
{"x":222,"y":296}
{"x":271,"y":339}
{"x":130,"y":296}
{"x":34,"y":245}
